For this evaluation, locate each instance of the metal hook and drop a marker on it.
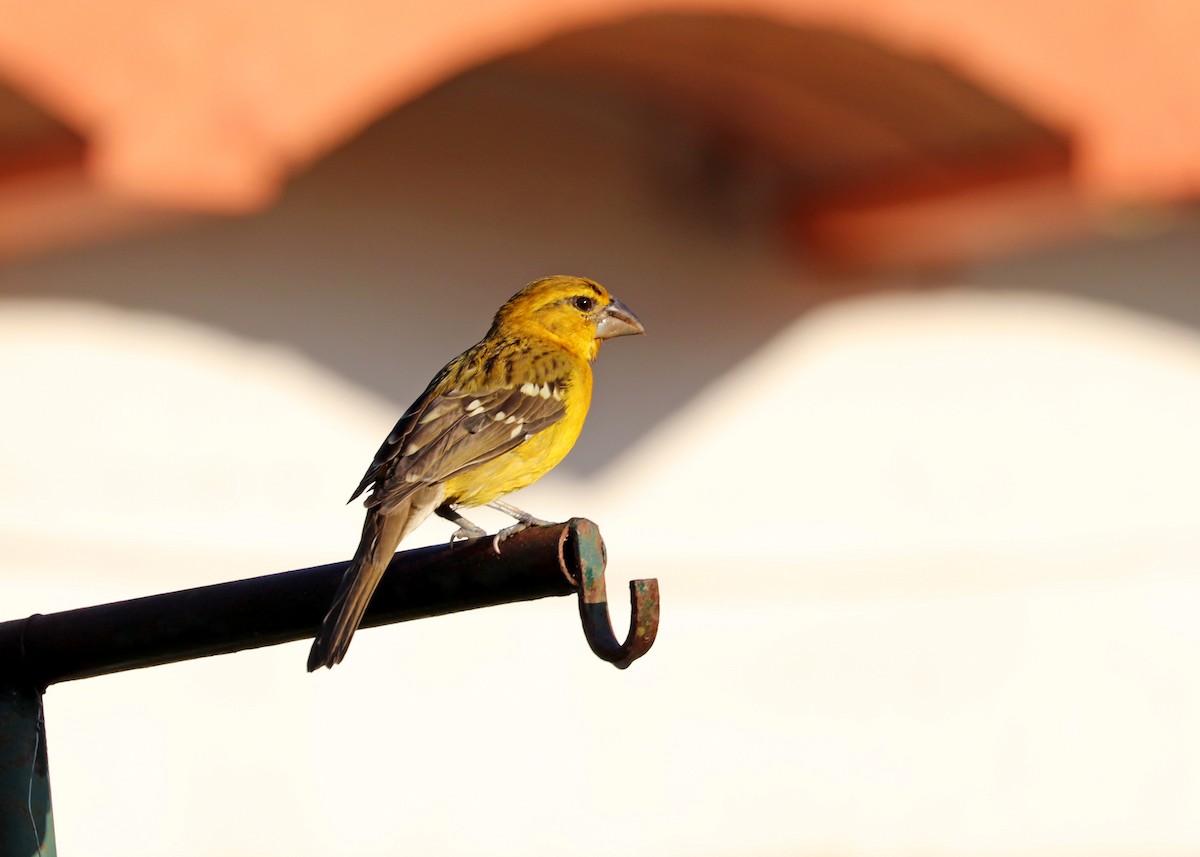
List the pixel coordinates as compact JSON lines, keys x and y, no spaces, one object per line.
{"x":580,"y":547}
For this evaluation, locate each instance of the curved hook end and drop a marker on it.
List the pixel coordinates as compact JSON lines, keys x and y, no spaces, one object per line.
{"x":643,"y":621}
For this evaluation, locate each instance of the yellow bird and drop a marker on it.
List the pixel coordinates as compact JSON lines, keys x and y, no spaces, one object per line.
{"x":495,"y":419}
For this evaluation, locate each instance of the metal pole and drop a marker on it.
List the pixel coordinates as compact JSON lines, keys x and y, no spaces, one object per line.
{"x":559,"y":559}
{"x":276,"y":608}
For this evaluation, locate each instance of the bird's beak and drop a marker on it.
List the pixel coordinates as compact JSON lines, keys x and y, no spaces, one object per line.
{"x":617,"y":320}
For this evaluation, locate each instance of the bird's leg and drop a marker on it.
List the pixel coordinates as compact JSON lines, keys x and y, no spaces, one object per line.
{"x":523,"y":518}
{"x":466,"y":530}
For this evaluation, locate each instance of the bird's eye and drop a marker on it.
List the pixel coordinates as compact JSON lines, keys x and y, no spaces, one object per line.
{"x":584,"y":304}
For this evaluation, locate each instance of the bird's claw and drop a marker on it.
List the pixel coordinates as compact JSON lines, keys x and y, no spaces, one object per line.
{"x":505,"y":533}
{"x":465,"y":533}
{"x":523,"y":524}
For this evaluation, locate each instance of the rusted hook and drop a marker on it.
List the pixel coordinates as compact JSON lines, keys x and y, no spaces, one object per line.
{"x":581,"y":548}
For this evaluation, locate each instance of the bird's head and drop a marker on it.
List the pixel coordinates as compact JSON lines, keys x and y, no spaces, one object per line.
{"x":574,"y":312}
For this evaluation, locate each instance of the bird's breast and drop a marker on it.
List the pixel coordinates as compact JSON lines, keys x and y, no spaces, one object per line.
{"x":528,"y":462}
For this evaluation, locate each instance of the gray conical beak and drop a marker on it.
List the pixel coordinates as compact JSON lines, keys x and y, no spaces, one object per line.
{"x":617,"y":320}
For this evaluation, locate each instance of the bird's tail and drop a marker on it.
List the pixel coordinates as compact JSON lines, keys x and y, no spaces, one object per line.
{"x":381,"y":535}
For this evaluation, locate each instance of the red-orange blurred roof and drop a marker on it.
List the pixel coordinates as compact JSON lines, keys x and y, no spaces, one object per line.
{"x":212,"y":104}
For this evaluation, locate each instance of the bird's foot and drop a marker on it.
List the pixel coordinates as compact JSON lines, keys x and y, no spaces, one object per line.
{"x":523,"y":518}
{"x":523,"y":524}
{"x":467,"y":531}
{"x":506,"y":532}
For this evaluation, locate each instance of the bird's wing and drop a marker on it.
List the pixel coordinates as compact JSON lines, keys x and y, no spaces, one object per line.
{"x":445,"y":433}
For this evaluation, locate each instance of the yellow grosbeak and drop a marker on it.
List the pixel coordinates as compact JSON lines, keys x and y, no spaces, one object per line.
{"x":495,"y":419}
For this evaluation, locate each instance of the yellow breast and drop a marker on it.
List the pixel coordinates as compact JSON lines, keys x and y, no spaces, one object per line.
{"x":532,"y":459}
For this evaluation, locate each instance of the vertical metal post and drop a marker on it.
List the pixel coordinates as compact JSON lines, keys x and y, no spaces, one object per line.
{"x":26,"y":818}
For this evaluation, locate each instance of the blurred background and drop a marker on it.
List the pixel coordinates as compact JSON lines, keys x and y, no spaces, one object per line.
{"x":910,"y":442}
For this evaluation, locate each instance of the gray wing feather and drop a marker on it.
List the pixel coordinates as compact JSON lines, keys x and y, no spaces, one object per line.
{"x":443,"y":435}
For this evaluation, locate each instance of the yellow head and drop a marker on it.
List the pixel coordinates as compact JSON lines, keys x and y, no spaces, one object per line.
{"x":574,"y":312}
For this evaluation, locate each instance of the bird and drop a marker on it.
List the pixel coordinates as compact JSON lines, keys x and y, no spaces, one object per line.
{"x":495,"y":419}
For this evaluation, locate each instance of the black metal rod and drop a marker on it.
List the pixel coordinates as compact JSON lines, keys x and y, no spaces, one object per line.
{"x":277,"y":608}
